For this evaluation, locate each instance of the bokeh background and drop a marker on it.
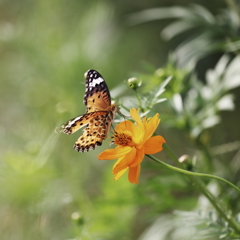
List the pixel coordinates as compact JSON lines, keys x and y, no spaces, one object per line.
{"x":48,"y":190}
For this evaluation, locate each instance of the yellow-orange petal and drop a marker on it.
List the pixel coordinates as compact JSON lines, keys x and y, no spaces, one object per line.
{"x":133,"y":174}
{"x":117,"y":162}
{"x":115,"y":153}
{"x":125,"y":126}
{"x":135,"y":116}
{"x":139,"y":133}
{"x":119,"y":174}
{"x":139,"y":157}
{"x":126,"y":161}
{"x":154,"y":144}
{"x":150,"y":126}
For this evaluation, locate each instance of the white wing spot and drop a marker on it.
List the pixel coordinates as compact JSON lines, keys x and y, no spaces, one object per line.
{"x":73,"y":121}
{"x":95,"y":82}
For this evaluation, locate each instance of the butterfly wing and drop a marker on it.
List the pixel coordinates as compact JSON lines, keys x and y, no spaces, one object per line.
{"x":95,"y":132}
{"x":99,"y":114}
{"x":76,"y":123}
{"x":97,"y":96}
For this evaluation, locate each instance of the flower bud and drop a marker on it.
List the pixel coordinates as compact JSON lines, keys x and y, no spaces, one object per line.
{"x":184,"y":158}
{"x":78,"y":218}
{"x":134,"y":83}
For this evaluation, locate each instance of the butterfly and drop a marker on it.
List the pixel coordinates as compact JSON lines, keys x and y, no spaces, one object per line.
{"x":98,"y":117}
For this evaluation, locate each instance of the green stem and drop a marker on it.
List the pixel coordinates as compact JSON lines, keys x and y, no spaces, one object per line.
{"x":201,"y":144}
{"x":214,"y":202}
{"x":195,"y":174}
{"x":207,"y":156}
{"x":173,"y":156}
{"x":139,"y":101}
{"x":205,"y":192}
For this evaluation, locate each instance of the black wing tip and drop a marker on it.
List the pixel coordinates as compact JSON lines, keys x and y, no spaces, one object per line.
{"x":86,"y":148}
{"x":92,"y":71}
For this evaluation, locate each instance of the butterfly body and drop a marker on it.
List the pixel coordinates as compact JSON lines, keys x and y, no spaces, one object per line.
{"x":98,"y":117}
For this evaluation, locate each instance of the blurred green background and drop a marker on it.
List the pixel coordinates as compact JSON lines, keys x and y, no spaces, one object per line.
{"x":48,"y":190}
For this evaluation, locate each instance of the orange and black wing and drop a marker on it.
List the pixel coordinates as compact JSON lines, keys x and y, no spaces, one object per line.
{"x":76,"y":123}
{"x":99,"y":114}
{"x":95,"y":132}
{"x":97,"y":96}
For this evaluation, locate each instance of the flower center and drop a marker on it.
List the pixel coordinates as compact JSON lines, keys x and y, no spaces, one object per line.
{"x":123,"y":138}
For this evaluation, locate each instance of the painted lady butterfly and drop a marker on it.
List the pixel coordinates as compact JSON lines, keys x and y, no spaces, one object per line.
{"x":98,"y":117}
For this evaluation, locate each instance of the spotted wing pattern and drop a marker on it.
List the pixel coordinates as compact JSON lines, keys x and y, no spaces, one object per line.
{"x":95,"y":132}
{"x":97,"y":96}
{"x":76,"y":123}
{"x":99,"y":114}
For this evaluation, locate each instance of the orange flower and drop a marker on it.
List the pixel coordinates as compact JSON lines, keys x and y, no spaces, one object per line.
{"x":133,"y":142}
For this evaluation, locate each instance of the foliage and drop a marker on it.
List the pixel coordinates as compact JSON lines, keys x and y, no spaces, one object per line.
{"x":49,"y":191}
{"x":199,"y":107}
{"x":185,"y":225}
{"x":205,"y":33}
